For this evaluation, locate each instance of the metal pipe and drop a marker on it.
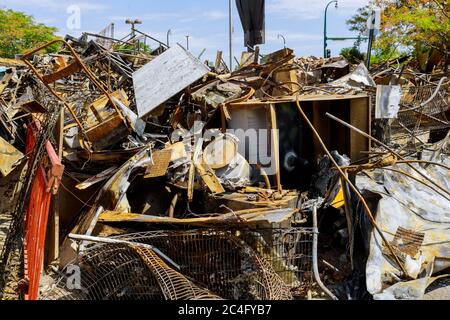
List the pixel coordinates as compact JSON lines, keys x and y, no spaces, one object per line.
{"x":368,"y":136}
{"x":187,"y":43}
{"x":131,"y":244}
{"x":314,"y":254}
{"x":151,"y":38}
{"x":173,"y":204}
{"x":169,"y":32}
{"x":284,"y":40}
{"x":230,"y":13}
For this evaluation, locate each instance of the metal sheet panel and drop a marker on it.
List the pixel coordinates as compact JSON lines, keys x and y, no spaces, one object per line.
{"x":388,"y":102}
{"x":10,"y":157}
{"x":164,"y":77}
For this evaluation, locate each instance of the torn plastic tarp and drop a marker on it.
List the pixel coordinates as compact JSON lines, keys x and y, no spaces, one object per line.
{"x":411,"y":205}
{"x":252,"y":17}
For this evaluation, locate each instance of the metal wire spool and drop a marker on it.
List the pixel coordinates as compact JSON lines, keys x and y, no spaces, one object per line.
{"x":212,"y":263}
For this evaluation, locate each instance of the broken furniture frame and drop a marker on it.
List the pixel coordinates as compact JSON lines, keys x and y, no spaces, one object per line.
{"x":74,"y":67}
{"x":356,"y":109}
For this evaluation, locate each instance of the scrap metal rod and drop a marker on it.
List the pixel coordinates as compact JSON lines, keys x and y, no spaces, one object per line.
{"x":387,"y":148}
{"x":352,"y":186}
{"x":416,"y":179}
{"x":356,"y":167}
{"x":88,"y":72}
{"x":315,"y":259}
{"x":129,"y":243}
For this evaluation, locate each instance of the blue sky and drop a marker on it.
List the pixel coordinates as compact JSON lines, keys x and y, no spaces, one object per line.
{"x":205,"y":21}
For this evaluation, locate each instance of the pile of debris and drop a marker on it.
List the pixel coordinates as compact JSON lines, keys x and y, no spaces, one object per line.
{"x":163,"y":177}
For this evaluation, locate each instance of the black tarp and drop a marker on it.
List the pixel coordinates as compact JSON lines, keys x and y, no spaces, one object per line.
{"x":252,"y":13}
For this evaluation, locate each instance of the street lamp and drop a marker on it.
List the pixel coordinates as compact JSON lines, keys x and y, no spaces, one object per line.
{"x":169,"y":32}
{"x":133,"y":23}
{"x":325,"y":28}
{"x":284,"y":39}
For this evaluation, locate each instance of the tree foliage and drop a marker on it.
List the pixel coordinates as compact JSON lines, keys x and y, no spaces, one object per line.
{"x":352,"y":54}
{"x":410,"y":26}
{"x":132,"y":47}
{"x":20,"y":33}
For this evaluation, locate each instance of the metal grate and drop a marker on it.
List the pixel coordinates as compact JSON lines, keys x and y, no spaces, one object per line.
{"x":214,"y":261}
{"x":289,"y":252}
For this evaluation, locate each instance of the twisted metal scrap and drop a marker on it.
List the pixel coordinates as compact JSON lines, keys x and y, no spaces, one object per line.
{"x":275,"y":288}
{"x":173,"y":284}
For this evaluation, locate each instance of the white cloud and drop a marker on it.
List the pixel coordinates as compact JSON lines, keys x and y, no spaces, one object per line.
{"x":160,"y":16}
{"x":47,"y":21}
{"x":215,"y":15}
{"x":183,"y":17}
{"x":55,"y":5}
{"x":272,"y":36}
{"x":307,"y":9}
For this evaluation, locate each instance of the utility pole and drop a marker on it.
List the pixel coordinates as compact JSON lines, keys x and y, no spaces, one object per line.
{"x":373,"y":24}
{"x":187,"y":43}
{"x":230,"y":14}
{"x":369,"y":49}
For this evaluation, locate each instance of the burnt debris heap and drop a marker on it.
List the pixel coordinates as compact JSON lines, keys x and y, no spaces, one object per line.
{"x":160,"y":176}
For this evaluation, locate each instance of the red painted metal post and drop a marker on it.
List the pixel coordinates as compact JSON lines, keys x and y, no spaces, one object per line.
{"x":37,"y":214}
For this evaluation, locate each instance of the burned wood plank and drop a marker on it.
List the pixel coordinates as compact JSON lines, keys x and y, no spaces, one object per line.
{"x":209,"y":178}
{"x":63,"y":73}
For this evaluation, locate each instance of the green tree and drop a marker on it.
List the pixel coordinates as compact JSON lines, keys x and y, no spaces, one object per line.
{"x":20,"y":33}
{"x":132,"y":47}
{"x":352,"y":54}
{"x":359,"y":21}
{"x":411,"y":26}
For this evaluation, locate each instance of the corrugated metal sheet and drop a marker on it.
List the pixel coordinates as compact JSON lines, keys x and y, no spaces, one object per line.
{"x":164,"y":77}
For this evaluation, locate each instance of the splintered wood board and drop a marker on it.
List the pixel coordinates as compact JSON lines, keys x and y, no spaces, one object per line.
{"x":209,"y":178}
{"x":161,"y":161}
